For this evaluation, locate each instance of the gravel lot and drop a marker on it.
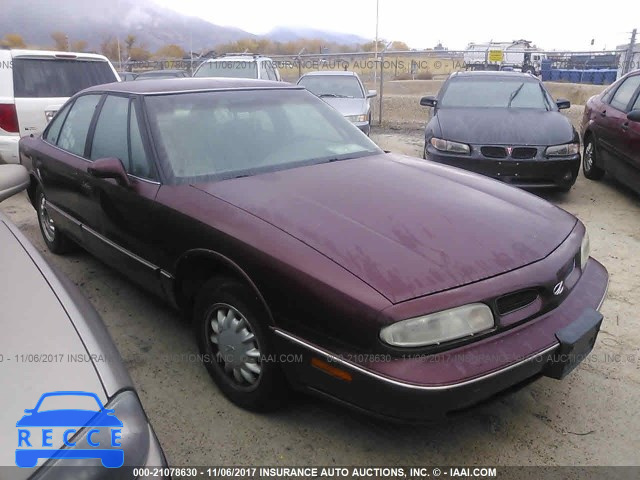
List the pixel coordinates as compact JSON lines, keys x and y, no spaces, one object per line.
{"x":591,"y":418}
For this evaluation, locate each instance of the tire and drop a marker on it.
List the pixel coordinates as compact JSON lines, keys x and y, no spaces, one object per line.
{"x":243,"y":368}
{"x":589,"y":167}
{"x":424,"y":151}
{"x":56,"y":241}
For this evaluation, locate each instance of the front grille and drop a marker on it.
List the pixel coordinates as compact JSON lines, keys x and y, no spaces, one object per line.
{"x":523,"y":153}
{"x":494,"y":152}
{"x":515,"y":301}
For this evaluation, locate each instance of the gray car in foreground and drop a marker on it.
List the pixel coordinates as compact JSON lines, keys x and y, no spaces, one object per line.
{"x":54,"y":342}
{"x":345,"y":92}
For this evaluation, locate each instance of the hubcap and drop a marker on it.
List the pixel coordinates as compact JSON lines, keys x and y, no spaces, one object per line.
{"x":48,"y":227}
{"x":236,"y":347}
{"x":588,"y":156}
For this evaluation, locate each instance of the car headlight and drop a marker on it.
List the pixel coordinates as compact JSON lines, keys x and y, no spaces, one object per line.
{"x":439,"y":327}
{"x":449,"y":146}
{"x":357,"y":118}
{"x":564,"y":150}
{"x":585,"y":250}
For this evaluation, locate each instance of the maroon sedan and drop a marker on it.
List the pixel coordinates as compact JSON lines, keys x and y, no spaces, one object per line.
{"x":611,"y":132}
{"x":306,"y":256}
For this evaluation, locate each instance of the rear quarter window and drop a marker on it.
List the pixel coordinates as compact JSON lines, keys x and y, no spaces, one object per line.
{"x":42,"y":78}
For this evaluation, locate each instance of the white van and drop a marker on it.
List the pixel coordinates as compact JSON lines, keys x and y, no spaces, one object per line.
{"x":34,"y":84}
{"x":244,"y":65}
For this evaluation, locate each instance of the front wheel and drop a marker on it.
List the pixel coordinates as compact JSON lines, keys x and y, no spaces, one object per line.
{"x":589,"y":167}
{"x":233,"y":338}
{"x":56,"y":241}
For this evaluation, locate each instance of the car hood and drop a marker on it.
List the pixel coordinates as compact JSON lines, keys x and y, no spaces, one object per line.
{"x":40,"y":347}
{"x":501,"y":126}
{"x":406,"y":227}
{"x":348,"y":106}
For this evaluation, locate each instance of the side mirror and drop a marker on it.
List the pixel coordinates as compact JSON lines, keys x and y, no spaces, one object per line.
{"x":372,"y":93}
{"x":109,"y":168}
{"x":13,"y":179}
{"x":563,"y":104}
{"x":634,"y":116}
{"x":429,"y":101}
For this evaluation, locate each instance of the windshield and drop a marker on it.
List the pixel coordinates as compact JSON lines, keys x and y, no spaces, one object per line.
{"x":333,"y":85}
{"x":495,"y":93}
{"x":42,"y":78}
{"x":216,"y":135}
{"x":230,"y":69}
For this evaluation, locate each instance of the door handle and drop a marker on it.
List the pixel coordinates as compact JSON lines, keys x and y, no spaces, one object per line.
{"x":625,"y":126}
{"x":603,"y":113}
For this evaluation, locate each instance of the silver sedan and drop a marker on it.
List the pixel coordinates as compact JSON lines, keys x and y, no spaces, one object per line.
{"x":54,"y":351}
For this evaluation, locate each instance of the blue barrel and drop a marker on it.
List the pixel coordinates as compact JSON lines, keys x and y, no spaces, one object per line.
{"x":574,"y":76}
{"x":610,"y":75}
{"x":598,"y":76}
{"x":587,"y":76}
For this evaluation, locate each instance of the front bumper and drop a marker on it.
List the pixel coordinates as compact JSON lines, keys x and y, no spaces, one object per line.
{"x":364,"y":126}
{"x":535,"y":173}
{"x":384,"y":387}
{"x":9,"y":149}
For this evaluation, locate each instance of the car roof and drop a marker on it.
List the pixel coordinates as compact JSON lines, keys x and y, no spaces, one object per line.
{"x":189,"y":84}
{"x":16,"y":52}
{"x":154,"y":72}
{"x":343,"y":73}
{"x":495,"y":74}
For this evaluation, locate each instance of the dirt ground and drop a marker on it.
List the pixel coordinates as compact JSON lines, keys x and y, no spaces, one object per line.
{"x":590,"y":418}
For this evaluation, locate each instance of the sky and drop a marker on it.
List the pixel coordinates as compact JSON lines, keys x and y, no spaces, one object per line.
{"x":550,"y":24}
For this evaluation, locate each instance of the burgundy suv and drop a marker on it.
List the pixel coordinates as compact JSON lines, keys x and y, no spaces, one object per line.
{"x":611,"y":132}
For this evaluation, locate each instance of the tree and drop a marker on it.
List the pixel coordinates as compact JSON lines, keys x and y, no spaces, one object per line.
{"x":371,"y":46}
{"x":170,"y":51}
{"x":139,"y":54}
{"x":61,"y":41}
{"x":79,"y":46}
{"x":399,"y":46}
{"x":109,"y":48}
{"x":13,"y":40}
{"x":129,"y":41}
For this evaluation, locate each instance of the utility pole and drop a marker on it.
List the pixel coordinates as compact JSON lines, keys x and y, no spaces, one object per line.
{"x":630,"y":51}
{"x":382,"y":82}
{"x":119,"y":55}
{"x":375,"y":70}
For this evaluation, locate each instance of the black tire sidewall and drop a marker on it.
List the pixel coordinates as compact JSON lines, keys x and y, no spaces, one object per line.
{"x":271,"y":388}
{"x":57,"y":245}
{"x":595,"y":172}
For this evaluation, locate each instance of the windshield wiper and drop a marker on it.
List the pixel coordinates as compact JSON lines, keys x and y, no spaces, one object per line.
{"x":514,"y":94}
{"x":333,"y":95}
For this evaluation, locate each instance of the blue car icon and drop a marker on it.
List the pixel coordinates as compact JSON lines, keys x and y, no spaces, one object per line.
{"x":34,"y":418}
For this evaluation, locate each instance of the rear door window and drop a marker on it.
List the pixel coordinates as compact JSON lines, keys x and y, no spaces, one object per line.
{"x":73,"y":135}
{"x":55,"y":77}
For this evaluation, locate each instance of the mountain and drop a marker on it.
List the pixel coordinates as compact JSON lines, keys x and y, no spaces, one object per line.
{"x":288,"y":34}
{"x":154,"y":26}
